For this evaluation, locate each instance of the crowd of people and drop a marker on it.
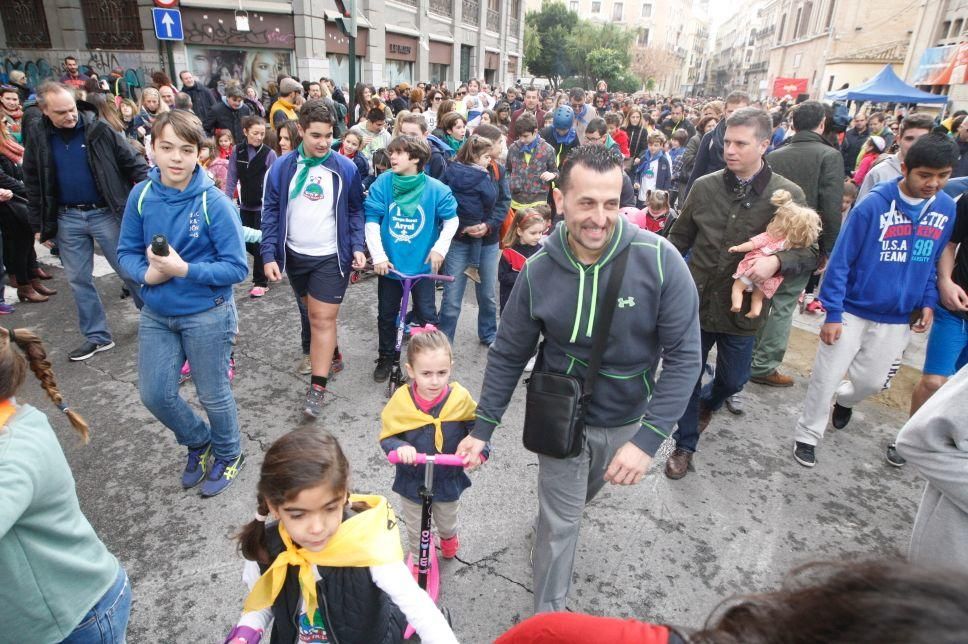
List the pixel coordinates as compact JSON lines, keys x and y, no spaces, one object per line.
{"x":612,"y":238}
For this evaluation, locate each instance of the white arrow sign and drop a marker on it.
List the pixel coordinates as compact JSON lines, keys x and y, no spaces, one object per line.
{"x":168,"y":22}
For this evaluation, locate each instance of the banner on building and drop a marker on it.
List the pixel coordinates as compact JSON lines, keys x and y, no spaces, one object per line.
{"x":213,"y":67}
{"x":943,"y":66}
{"x":789,"y":87}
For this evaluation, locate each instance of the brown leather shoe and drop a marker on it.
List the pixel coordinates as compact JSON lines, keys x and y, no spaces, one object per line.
{"x":40,"y":288}
{"x":679,"y":462}
{"x":705,"y":415}
{"x":26,"y":293}
{"x":41,"y":274}
{"x":775,"y":379}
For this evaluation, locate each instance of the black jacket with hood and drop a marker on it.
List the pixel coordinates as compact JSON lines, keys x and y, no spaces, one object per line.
{"x":656,"y":315}
{"x":115,"y":165}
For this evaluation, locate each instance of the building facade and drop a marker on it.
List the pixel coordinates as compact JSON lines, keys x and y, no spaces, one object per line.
{"x":398,"y":40}
{"x":938,"y":55}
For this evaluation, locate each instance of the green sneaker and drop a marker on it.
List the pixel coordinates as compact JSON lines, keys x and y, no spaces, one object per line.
{"x":221,"y":474}
{"x":197,"y":466}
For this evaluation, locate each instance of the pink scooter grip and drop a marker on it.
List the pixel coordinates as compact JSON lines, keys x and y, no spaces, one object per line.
{"x":451,"y":460}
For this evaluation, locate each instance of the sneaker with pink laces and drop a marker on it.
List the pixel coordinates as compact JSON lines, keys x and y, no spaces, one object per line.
{"x":186,"y":373}
{"x":816,"y":307}
{"x":231,"y":369}
{"x":258,"y":291}
{"x":449,"y":547}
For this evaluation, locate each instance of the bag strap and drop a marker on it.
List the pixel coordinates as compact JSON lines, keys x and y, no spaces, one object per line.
{"x":605,"y":321}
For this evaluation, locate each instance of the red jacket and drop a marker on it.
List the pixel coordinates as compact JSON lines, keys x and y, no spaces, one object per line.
{"x":575,"y":628}
{"x":621,"y":139}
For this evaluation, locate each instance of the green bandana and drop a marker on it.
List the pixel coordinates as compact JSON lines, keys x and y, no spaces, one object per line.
{"x":305,"y":164}
{"x":407,"y":192}
{"x":453,"y":143}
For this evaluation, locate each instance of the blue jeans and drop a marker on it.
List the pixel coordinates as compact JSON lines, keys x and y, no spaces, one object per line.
{"x":107,"y":621}
{"x":734,"y":354}
{"x":458,"y":258}
{"x":77,"y":230}
{"x":205,"y":339}
{"x":947,"y":350}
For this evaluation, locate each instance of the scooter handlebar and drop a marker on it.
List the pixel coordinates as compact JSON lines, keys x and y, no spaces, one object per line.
{"x":423,"y":276}
{"x":451,"y":460}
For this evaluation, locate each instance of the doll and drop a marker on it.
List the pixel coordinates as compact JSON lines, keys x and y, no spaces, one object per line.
{"x":792,"y":226}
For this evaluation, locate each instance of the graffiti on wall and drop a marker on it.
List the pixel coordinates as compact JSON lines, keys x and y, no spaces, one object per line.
{"x":214,"y":67}
{"x":49,"y":65}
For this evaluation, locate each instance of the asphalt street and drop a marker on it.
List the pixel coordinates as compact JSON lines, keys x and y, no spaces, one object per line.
{"x":664,"y":551}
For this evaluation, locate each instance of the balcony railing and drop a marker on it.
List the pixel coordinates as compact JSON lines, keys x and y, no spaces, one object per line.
{"x":493,"y":20}
{"x":472,"y":12}
{"x":514,"y":27}
{"x":443,"y":7}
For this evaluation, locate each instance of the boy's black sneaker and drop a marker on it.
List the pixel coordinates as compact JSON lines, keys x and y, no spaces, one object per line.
{"x":805,"y":454}
{"x":841,"y":416}
{"x":382,"y":371}
{"x":893,"y":458}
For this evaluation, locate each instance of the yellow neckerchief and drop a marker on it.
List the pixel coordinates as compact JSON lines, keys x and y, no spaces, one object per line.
{"x":7,"y":410}
{"x":401,"y":414}
{"x":370,"y":538}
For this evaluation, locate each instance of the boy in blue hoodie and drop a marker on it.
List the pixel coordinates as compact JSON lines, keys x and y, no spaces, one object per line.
{"x":189,"y":311}
{"x":410,"y":221}
{"x":312,"y":228}
{"x":880,"y":285}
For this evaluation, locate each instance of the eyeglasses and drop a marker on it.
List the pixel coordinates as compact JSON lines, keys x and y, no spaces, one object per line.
{"x":438,"y":98}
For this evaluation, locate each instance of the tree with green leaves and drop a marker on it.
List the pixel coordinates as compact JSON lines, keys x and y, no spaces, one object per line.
{"x":547,"y":39}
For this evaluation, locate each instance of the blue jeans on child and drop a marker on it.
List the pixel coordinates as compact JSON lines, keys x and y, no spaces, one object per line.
{"x":457,"y":260}
{"x":947,"y":350}
{"x":205,"y":340}
{"x":107,"y":621}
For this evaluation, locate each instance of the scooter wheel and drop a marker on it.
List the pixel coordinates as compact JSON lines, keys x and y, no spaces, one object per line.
{"x":354,"y":277}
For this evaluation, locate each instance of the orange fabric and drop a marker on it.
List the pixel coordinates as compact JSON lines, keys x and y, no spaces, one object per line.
{"x":506,"y":225}
{"x":574,"y":628}
{"x":7,"y":410}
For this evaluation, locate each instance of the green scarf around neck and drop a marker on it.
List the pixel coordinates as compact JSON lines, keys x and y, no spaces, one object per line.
{"x":453,"y":143}
{"x":407,"y":192}
{"x":305,"y":164}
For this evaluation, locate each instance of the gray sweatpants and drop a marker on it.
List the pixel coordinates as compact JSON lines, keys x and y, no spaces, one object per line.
{"x":444,"y":519}
{"x":565,"y":486}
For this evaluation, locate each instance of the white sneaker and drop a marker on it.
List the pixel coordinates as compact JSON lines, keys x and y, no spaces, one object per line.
{"x":528,"y":368}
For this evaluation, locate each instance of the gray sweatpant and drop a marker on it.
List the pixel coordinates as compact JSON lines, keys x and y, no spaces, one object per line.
{"x":444,"y":519}
{"x":565,"y":486}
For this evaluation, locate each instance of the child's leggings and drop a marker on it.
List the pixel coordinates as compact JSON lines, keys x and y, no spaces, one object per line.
{"x":444,"y":515}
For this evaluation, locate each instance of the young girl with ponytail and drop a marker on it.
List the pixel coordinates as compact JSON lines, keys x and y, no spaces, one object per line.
{"x":60,"y":583}
{"x":325,"y":565}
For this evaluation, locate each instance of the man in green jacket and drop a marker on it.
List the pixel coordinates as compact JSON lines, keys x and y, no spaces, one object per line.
{"x":809,"y":161}
{"x":724,"y":209}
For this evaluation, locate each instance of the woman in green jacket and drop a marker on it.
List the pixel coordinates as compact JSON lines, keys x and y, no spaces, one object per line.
{"x":60,"y":583}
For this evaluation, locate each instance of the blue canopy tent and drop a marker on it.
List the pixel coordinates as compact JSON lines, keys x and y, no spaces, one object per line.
{"x":886,"y":87}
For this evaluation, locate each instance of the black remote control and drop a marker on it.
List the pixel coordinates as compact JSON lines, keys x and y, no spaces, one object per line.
{"x":159,"y":245}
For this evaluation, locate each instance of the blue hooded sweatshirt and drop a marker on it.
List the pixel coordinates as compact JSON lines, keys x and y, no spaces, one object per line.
{"x":883,"y":266}
{"x":407,"y":241}
{"x":201,"y":225}
{"x":474,"y":191}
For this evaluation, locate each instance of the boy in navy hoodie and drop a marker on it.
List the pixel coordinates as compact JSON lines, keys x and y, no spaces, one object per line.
{"x":411,"y":219}
{"x":189,"y":312}
{"x":880,"y":285}
{"x":312,"y":228}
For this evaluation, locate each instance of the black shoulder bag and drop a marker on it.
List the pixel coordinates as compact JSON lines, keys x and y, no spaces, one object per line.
{"x":554,"y":415}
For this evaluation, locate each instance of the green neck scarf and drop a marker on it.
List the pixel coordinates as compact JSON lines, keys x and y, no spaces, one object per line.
{"x":305,"y":163}
{"x":453,"y":143}
{"x":407,"y":192}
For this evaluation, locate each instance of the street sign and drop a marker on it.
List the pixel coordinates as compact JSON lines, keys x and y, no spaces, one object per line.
{"x":168,"y":24}
{"x":166,"y":4}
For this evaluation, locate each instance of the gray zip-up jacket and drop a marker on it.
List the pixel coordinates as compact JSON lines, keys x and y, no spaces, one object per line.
{"x":657,"y":315}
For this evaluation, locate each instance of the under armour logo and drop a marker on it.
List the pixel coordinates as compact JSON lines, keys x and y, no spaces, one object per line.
{"x":626,"y":301}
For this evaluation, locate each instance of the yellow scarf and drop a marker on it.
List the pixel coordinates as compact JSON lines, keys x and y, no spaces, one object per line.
{"x":282,"y":105}
{"x":401,"y":414}
{"x":370,"y":538}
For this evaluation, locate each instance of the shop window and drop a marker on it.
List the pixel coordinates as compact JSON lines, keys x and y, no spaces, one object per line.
{"x":398,"y":71}
{"x":112,"y":24}
{"x":25,"y":24}
{"x":439,"y":73}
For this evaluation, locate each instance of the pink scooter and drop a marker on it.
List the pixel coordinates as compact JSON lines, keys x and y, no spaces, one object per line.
{"x":428,"y":571}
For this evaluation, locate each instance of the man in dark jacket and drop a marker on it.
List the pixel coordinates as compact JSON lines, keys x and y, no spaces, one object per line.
{"x":854,"y":140}
{"x":960,"y":127}
{"x":78,"y":173}
{"x":725,"y":209}
{"x":677,"y":120}
{"x":228,"y":114}
{"x":809,"y":161}
{"x":709,"y":156}
{"x":557,"y":296}
{"x":202,"y":99}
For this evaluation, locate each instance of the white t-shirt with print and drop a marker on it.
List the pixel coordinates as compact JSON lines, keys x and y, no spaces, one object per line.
{"x":311,"y":216}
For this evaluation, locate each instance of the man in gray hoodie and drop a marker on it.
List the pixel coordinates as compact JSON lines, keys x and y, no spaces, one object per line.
{"x":559,"y":295}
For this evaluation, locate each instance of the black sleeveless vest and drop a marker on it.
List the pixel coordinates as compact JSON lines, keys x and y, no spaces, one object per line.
{"x":251,"y":173}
